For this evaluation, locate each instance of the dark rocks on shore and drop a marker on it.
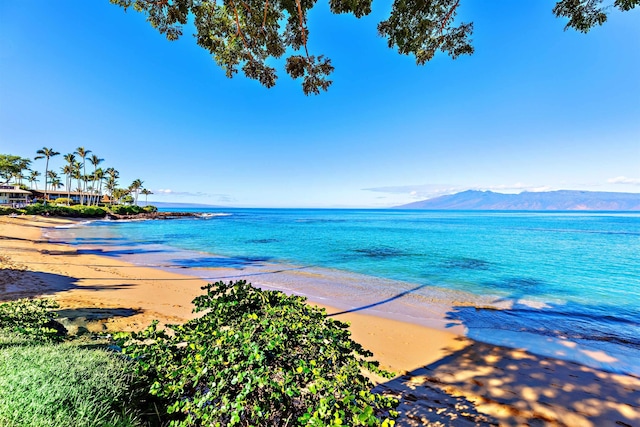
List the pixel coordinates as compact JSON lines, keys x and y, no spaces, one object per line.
{"x":153,"y":215}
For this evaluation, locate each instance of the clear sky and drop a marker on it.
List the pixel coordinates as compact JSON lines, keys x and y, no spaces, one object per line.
{"x":534,"y":108}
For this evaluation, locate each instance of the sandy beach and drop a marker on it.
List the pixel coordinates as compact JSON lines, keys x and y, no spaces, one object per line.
{"x":444,"y":379}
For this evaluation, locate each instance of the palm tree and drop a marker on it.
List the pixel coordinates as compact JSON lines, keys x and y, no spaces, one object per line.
{"x":45,"y":153}
{"x":53,"y":177}
{"x":95,"y":161}
{"x":77,"y":166}
{"x":135,"y":187}
{"x":33,"y":178}
{"x":82,"y":152}
{"x":98,"y":176}
{"x":146,"y":194}
{"x":56,"y":183}
{"x":18,"y":177}
{"x":112,"y":182}
{"x":68,"y":171}
{"x":120,"y":193}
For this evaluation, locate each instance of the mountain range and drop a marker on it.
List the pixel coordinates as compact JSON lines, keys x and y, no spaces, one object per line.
{"x":561,"y":200}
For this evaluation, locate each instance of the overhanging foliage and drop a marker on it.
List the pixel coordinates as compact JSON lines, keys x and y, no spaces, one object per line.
{"x":246,"y":33}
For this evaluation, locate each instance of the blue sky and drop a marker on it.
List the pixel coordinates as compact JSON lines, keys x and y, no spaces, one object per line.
{"x":534,"y":108}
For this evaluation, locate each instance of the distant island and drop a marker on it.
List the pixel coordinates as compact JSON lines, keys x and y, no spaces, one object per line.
{"x":561,"y":200}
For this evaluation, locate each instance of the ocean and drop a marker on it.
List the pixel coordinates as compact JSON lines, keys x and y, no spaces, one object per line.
{"x":561,"y":284}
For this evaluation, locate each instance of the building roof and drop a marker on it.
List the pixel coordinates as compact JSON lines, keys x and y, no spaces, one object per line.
{"x":59,"y":192}
{"x":14,"y":191}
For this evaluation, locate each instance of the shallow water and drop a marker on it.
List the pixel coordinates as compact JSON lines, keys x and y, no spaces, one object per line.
{"x":570,"y":282}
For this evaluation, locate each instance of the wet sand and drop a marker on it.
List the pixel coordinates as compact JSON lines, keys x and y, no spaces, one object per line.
{"x":445,"y":379}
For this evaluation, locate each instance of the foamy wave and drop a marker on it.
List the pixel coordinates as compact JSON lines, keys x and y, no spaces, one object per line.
{"x":213,"y":215}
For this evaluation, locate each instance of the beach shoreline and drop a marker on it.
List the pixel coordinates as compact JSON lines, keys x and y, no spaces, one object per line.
{"x":117,"y":295}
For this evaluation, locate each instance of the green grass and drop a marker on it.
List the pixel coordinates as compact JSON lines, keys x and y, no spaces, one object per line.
{"x":64,"y":385}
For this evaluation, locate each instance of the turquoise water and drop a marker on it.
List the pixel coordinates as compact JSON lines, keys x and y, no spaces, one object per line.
{"x":561,"y":276}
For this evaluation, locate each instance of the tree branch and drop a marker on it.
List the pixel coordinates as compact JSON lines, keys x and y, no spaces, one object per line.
{"x":264,"y":20}
{"x":446,"y":18}
{"x":304,"y":33}
{"x":239,"y":31}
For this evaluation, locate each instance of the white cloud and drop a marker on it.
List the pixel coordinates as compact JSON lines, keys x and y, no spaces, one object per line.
{"x":169,"y":192}
{"x":624,"y":180}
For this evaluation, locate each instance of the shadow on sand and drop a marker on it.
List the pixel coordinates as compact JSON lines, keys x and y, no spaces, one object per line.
{"x":490,"y":385}
{"x":511,"y":388}
{"x":17,"y":283}
{"x":381,"y":302}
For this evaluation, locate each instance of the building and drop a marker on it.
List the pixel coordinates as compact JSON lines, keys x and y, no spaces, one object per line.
{"x":13,"y":195}
{"x":58,"y":194}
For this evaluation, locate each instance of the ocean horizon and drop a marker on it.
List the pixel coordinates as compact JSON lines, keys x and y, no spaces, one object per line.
{"x":560,"y":284}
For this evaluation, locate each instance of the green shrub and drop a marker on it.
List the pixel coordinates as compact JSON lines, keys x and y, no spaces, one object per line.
{"x":5,"y":210}
{"x":65,"y":385}
{"x":89,"y":211}
{"x":77,"y":211}
{"x":150,"y":209}
{"x":127,"y":209}
{"x":32,"y":318}
{"x":63,"y":201}
{"x":258,"y":357}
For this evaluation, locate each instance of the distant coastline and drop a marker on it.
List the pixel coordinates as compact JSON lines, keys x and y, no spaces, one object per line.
{"x":561,"y":200}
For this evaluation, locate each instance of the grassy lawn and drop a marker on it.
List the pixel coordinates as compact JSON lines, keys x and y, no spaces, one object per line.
{"x":68,"y":384}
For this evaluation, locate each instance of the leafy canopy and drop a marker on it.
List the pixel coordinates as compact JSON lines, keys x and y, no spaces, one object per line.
{"x":258,"y":358}
{"x":11,"y":165}
{"x":246,"y":33}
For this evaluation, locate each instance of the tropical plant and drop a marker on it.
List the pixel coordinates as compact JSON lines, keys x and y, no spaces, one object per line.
{"x":54,"y":180}
{"x":119,"y":194}
{"x":257,"y":357}
{"x":78,"y":211}
{"x":33,"y":178}
{"x":63,"y":201}
{"x":11,"y":165}
{"x":46,"y":153}
{"x":34,"y":318}
{"x":146,"y":194}
{"x":112,"y":176}
{"x":67,"y":171}
{"x":134,"y":188}
{"x":18,"y":177}
{"x":56,"y":183}
{"x":82,"y":152}
{"x":95,"y":161}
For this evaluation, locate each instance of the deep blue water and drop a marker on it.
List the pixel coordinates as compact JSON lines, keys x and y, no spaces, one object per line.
{"x":563,"y":276}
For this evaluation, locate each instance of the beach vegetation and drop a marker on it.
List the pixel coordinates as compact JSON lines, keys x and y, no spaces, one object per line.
{"x":146,"y":193}
{"x":78,"y":211}
{"x":50,"y":379}
{"x":252,"y":357}
{"x":71,"y":384}
{"x":31,"y":318}
{"x":257,"y":357}
{"x":7,"y":210}
{"x":134,"y":188}
{"x":88,"y":187}
{"x":132,"y":209}
{"x":64,"y":201}
{"x":46,"y":153}
{"x":12,"y":167}
{"x":249,"y":34}
{"x":83,"y":153}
